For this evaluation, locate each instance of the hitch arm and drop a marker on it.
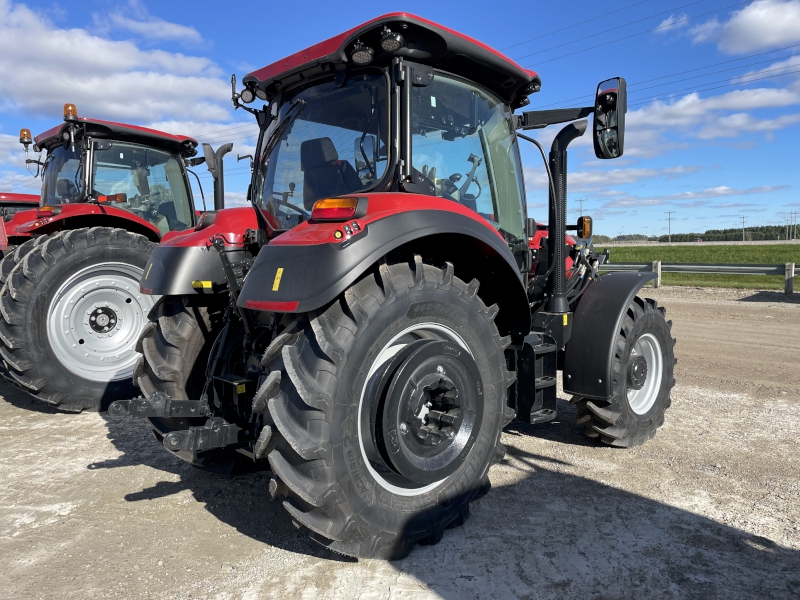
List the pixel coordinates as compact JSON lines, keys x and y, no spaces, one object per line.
{"x":233,"y":285}
{"x":158,"y":405}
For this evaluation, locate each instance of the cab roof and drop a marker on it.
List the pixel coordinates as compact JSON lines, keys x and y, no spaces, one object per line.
{"x":425,"y":42}
{"x":180,"y":144}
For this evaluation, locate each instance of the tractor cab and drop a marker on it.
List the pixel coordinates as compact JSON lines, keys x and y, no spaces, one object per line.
{"x":120,"y":167}
{"x":397,"y":105}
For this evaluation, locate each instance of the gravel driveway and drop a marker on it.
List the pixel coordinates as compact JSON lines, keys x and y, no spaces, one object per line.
{"x":92,"y":506}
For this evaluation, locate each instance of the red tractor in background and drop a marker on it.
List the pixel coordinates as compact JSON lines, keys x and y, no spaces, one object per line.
{"x":71,"y":306}
{"x":373,"y":353}
{"x":11,"y":204}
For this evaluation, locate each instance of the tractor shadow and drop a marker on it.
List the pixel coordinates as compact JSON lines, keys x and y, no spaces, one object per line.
{"x":19,"y":398}
{"x":772,"y":297}
{"x":545,"y":533}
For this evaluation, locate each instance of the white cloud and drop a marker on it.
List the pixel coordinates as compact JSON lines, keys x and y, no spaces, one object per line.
{"x":672,"y":23}
{"x":105,"y":78}
{"x":135,"y":18}
{"x":761,"y":25}
{"x":692,"y":198}
{"x":733,"y":125}
{"x":596,"y":180}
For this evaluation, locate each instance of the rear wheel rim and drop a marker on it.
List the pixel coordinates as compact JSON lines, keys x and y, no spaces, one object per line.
{"x":94,"y":321}
{"x":642,"y":400}
{"x":420,"y":331}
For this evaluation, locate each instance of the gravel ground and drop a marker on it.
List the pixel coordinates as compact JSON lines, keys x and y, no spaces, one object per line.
{"x":92,"y":506}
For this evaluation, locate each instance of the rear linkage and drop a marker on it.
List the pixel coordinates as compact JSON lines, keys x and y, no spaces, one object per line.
{"x":217,"y":433}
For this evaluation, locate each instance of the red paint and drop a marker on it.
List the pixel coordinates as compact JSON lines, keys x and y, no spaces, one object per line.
{"x":12,"y":197}
{"x":56,"y":131}
{"x":82,"y":209}
{"x":380,"y":206}
{"x":536,"y":242}
{"x":230,"y":223}
{"x":331,"y":48}
{"x":272,"y":306}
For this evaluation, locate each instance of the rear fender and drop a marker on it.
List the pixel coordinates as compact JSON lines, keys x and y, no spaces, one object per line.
{"x":190,"y":256}
{"x":589,"y":354}
{"x":308,"y":267}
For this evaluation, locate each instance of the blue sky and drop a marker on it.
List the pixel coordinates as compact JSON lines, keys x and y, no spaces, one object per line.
{"x":714,"y":88}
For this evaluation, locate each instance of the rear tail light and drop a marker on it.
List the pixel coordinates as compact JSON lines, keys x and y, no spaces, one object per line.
{"x":113,"y":198}
{"x":334,"y":209}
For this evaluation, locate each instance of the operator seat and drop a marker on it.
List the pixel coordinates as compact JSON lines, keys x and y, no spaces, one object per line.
{"x":324,"y":175}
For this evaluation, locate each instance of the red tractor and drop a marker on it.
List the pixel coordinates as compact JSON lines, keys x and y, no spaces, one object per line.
{"x":71,"y":306}
{"x":10,"y":205}
{"x":373,"y":353}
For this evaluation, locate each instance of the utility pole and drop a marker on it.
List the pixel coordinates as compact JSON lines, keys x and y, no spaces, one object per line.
{"x":742,"y":218}
{"x":581,"y":201}
{"x":669,"y":226}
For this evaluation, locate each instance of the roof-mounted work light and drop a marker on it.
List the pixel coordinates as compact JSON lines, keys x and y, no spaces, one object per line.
{"x":361,"y":54}
{"x":391,"y":41}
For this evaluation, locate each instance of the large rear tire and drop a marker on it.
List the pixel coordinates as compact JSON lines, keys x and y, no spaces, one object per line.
{"x":72,"y":312}
{"x":644,"y":362}
{"x":352,"y":451}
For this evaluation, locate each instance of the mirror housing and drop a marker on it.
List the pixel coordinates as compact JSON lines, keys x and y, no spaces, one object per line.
{"x":610,"y":106}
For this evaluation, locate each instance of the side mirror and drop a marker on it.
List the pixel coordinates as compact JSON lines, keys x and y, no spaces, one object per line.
{"x":610,"y":106}
{"x":365,"y":150}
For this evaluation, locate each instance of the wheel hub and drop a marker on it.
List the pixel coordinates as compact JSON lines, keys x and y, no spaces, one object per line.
{"x":637,"y":372}
{"x":427,"y":406}
{"x":103,"y":319}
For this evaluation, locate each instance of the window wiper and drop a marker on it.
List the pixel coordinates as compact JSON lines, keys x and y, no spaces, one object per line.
{"x":280,"y":128}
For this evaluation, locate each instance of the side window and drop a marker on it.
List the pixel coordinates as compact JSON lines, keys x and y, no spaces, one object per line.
{"x":463,"y":143}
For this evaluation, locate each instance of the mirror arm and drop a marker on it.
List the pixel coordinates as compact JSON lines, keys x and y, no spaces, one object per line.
{"x":539,"y":119}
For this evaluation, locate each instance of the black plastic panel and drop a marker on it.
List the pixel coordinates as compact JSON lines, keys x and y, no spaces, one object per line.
{"x":589,"y":354}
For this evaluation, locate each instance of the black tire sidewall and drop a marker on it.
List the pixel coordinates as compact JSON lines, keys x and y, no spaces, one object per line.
{"x":89,"y":393}
{"x":373,"y":502}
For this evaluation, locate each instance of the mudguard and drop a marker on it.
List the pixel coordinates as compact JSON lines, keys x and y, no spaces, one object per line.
{"x":309,"y":266}
{"x":589,"y":355}
{"x":172,"y":269}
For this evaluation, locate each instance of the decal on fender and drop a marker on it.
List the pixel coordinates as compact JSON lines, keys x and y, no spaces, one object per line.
{"x":146,"y":275}
{"x":277,"y":283}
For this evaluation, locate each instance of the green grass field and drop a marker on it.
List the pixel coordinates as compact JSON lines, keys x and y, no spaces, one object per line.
{"x":764,"y":255}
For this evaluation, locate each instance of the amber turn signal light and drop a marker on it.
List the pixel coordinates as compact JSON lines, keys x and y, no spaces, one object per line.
{"x":70,"y":111}
{"x":334,"y":209}
{"x":585,"y":227}
{"x":113,"y":198}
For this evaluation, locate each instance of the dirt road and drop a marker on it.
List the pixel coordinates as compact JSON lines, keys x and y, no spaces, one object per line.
{"x":93,"y":507}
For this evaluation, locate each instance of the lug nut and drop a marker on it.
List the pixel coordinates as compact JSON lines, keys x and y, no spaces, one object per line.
{"x":403,"y":428}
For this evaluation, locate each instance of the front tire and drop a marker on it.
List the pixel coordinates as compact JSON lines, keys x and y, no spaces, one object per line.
{"x":72,"y":312}
{"x":341,"y":423}
{"x":644,"y":362}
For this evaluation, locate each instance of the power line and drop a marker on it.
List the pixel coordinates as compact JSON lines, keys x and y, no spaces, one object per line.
{"x":627,"y":37}
{"x":638,"y":83}
{"x":538,"y":37}
{"x":586,"y":37}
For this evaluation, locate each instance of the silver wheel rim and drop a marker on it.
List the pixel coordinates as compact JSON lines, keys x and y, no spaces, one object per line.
{"x":95,"y":319}
{"x":642,"y":400}
{"x":431,"y":331}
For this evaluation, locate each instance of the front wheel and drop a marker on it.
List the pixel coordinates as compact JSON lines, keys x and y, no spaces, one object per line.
{"x":389,"y":410}
{"x":643,"y":366}
{"x":72,"y":312}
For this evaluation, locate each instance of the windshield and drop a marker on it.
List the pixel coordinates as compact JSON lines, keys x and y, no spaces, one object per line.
{"x":152,"y":182}
{"x":149,"y":183}
{"x":332,"y":142}
{"x":463,"y":142}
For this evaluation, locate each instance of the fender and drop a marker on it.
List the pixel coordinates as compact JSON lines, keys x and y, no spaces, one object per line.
{"x":82,"y":214}
{"x":189,"y":256}
{"x":310,"y":265}
{"x":589,"y":354}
